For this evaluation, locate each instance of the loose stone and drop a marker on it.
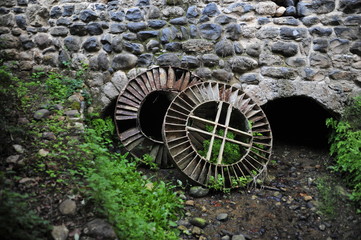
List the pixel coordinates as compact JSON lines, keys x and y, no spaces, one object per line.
{"x":199,"y":222}
{"x":238,"y":237}
{"x":197,"y":191}
{"x":68,"y":207}
{"x":197,"y":231}
{"x":43,"y":152}
{"x":222,"y":217}
{"x":60,"y":232}
{"x":99,"y":229}
{"x":42,"y":113}
{"x":322,"y":227}
{"x":13,"y":159}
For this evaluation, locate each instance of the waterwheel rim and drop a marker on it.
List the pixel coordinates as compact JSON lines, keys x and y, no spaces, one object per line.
{"x":225,"y":109}
{"x":154,"y":89}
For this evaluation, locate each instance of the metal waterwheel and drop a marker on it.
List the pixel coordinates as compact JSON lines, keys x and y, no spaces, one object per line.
{"x":141,"y":107}
{"x":216,"y":132}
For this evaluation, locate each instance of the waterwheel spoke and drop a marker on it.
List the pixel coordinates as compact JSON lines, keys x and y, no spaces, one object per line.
{"x":131,"y":100}
{"x":228,"y":111}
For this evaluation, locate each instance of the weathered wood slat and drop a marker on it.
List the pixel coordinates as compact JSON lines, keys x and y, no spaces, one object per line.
{"x":132,"y":98}
{"x":134,"y":85}
{"x":171,"y":78}
{"x":151,"y":80}
{"x":156,"y":77}
{"x":255,"y":144}
{"x":178,"y":82}
{"x":186,"y":81}
{"x":163,"y":78}
{"x":146,"y":82}
{"x":126,"y":101}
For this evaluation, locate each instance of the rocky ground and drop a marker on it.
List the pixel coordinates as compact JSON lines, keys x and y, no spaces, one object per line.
{"x":292,"y":205}
{"x":300,"y":199}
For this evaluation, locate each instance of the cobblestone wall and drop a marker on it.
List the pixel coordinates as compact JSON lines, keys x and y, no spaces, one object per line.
{"x":271,"y":49}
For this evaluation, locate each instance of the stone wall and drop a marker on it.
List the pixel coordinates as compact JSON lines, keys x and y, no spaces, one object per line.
{"x":271,"y":49}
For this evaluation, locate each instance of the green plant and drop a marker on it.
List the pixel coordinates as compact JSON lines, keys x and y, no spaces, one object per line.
{"x":345,"y":145}
{"x":256,"y":146}
{"x":241,"y":181}
{"x":232,"y":151}
{"x":148,"y":160}
{"x":328,"y":196}
{"x":218,"y":183}
{"x":60,"y":87}
{"x":137,"y":207}
{"x":17,"y":90}
{"x":17,"y":222}
{"x":352,"y":114}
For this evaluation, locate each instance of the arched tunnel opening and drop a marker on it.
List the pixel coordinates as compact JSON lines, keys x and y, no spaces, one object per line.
{"x":299,"y":121}
{"x":152,"y":112}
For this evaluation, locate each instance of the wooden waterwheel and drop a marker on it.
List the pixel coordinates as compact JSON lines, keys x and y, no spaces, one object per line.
{"x":141,"y":107}
{"x":217,"y":133}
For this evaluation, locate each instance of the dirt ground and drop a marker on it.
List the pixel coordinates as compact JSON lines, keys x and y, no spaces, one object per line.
{"x":294,"y":202}
{"x":292,"y":205}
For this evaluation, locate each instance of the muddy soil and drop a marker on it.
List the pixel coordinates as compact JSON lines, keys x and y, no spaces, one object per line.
{"x":289,"y":206}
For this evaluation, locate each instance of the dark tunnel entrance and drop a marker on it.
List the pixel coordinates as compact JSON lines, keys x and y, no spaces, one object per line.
{"x":152,"y":112}
{"x":298,"y":120}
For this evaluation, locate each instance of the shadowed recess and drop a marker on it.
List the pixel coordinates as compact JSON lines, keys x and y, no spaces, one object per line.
{"x":152,"y":112}
{"x":298,"y":120}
